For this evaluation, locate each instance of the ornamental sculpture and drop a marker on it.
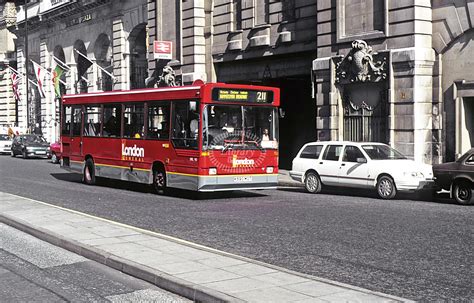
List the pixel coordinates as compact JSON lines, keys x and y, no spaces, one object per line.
{"x":360,"y":65}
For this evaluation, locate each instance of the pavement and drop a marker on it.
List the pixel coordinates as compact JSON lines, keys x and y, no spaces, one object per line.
{"x":284,"y":179}
{"x":193,"y":271}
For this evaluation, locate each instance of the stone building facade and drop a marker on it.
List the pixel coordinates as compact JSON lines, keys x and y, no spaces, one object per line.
{"x":111,"y":34}
{"x":8,"y":115}
{"x":367,"y":70}
{"x":247,"y":41}
{"x":421,"y":100}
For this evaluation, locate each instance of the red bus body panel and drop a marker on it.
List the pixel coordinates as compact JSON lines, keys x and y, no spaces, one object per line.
{"x":185,"y":168}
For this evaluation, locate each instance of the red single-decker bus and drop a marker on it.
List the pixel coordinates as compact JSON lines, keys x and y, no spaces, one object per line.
{"x":206,"y":137}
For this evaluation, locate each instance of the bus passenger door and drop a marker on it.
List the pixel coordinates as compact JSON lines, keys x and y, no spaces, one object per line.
{"x":76,"y":138}
{"x":183,"y":164}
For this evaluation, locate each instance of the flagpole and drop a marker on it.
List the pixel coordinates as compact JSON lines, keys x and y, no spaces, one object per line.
{"x":100,"y":67}
{"x":49,"y":73}
{"x":61,"y":62}
{"x":21,"y":76}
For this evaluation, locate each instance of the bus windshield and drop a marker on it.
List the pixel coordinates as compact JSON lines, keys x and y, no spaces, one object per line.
{"x":239,"y":127}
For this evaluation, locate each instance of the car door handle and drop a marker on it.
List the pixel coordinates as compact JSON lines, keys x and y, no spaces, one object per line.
{"x":343,"y":164}
{"x":320,"y":162}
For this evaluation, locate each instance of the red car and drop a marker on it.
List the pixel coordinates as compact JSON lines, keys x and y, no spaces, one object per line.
{"x":55,"y":152}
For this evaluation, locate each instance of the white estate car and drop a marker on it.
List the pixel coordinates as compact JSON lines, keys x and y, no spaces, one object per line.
{"x":5,"y":144}
{"x":359,"y":164}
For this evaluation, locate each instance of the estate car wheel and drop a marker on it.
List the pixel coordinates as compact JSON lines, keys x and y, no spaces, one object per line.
{"x":386,"y":188}
{"x":462,"y":192}
{"x":24,"y":154}
{"x":159,"y":180}
{"x":89,"y":172}
{"x":312,"y":183}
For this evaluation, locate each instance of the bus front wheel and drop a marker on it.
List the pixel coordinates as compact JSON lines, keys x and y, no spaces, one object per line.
{"x":89,"y":172}
{"x":159,"y":180}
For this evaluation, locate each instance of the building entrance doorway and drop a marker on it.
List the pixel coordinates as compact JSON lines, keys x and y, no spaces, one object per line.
{"x":297,"y":119}
{"x":467,"y":124}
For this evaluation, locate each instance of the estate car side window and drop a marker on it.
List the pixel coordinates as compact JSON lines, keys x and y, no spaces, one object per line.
{"x":332,"y":152}
{"x":76,"y":121}
{"x":311,"y":152}
{"x":92,"y":121}
{"x":470,"y":160}
{"x":67,"y":117}
{"x":133,"y":119}
{"x":158,"y":121}
{"x":351,"y":154}
{"x":111,"y":122}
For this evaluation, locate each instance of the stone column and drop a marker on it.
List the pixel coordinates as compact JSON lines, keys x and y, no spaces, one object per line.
{"x":95,"y":75}
{"x":194,"y":42}
{"x":47,"y":103}
{"x":121,"y":63}
{"x":327,"y":111}
{"x":72,"y":77}
{"x":22,"y":105}
{"x":412,"y":99}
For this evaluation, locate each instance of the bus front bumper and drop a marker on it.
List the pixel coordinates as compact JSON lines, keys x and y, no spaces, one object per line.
{"x":238,"y":182}
{"x":223,"y":182}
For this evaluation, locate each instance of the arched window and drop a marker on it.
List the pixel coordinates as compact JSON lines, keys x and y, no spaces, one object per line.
{"x":103,"y":55}
{"x":138,"y":59}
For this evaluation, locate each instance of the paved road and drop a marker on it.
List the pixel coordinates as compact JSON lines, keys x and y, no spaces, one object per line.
{"x":35,"y":271}
{"x":419,"y":250}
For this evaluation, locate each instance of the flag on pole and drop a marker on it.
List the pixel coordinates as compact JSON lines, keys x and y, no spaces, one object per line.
{"x":57,"y":72}
{"x":83,"y":64}
{"x":39,"y":73}
{"x":15,"y":81}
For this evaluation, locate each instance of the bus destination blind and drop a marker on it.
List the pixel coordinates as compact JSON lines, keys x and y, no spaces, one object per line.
{"x":240,"y":95}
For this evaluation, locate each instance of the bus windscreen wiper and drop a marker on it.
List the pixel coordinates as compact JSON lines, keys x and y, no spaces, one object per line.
{"x":226,"y":147}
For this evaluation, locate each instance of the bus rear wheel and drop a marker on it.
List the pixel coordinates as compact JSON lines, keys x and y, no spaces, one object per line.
{"x":88,"y":176}
{"x":159,"y":180}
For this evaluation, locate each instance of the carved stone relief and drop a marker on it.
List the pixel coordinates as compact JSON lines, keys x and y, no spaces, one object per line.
{"x":361,"y":65}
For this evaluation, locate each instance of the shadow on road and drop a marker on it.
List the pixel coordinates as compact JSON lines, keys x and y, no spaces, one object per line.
{"x":441,"y":198}
{"x":145,"y":188}
{"x":68,"y":177}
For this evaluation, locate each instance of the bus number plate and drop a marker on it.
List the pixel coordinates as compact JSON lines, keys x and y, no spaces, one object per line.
{"x":243,"y":179}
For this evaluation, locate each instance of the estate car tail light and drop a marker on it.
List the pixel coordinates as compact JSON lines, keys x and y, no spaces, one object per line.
{"x":212,"y":171}
{"x":269,"y":169}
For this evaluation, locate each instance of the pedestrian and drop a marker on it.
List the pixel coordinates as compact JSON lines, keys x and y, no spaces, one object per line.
{"x":11,"y":134}
{"x":37,"y":130}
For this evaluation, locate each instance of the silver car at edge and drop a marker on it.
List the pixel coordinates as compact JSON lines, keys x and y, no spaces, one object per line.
{"x":5,"y":144}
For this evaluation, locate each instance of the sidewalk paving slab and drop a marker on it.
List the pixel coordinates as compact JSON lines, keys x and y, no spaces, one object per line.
{"x":190,"y":270}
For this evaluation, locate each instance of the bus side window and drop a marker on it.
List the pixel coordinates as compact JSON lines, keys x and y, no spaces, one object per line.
{"x":66,"y":121}
{"x":92,"y":121}
{"x":76,"y":121}
{"x":112,"y":118}
{"x":134,"y":124}
{"x":158,"y":120}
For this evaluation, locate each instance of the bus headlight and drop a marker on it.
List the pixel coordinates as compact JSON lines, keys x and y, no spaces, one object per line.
{"x":212,"y":171}
{"x":269,"y":169}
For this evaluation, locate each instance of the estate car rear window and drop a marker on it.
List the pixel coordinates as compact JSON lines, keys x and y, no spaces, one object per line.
{"x":311,"y":152}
